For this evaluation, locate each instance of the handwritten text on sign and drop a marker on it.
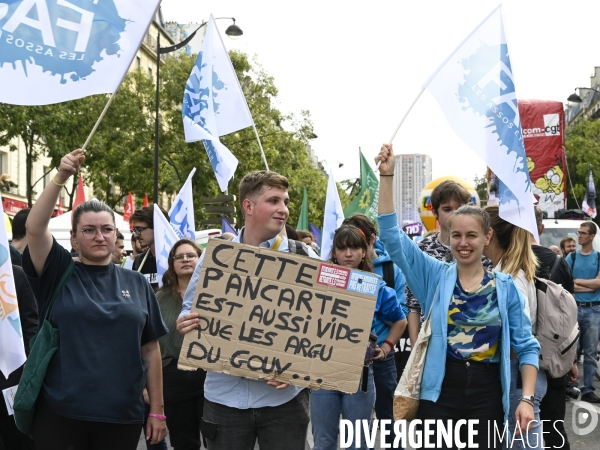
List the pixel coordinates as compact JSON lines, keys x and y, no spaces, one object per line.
{"x":268,"y":314}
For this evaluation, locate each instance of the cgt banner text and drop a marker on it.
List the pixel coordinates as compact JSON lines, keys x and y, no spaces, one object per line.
{"x":269,"y":314}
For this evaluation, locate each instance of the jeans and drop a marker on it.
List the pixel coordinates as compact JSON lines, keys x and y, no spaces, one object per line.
{"x":184,"y":399}
{"x":553,"y":408}
{"x":470,"y":390}
{"x":280,"y":427}
{"x":534,"y":437}
{"x":325,"y":409}
{"x":589,"y":325}
{"x":384,"y":375}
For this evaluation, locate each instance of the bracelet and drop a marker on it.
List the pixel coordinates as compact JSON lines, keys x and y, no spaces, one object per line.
{"x":58,"y":184}
{"x":158,"y":416}
{"x":390,"y":343}
{"x":382,"y":175}
{"x":526,"y":400}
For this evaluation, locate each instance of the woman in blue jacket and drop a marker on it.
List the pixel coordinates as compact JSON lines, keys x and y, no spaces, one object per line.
{"x":350,"y":250}
{"x":476,"y":318}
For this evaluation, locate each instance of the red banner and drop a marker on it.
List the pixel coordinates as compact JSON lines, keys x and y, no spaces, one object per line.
{"x":543,"y":125}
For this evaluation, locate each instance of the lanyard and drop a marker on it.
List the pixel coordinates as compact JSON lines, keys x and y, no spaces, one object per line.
{"x":277,"y":243}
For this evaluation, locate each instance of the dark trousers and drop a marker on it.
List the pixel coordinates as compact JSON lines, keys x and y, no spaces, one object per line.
{"x":52,"y":431}
{"x":280,"y":427}
{"x":553,"y":408}
{"x":184,"y":398}
{"x":10,"y":437}
{"x":384,"y":375}
{"x":470,"y":390}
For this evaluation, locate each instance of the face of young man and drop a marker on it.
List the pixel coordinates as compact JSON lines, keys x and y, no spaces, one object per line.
{"x":145,"y":235}
{"x":584,"y":237}
{"x":119,"y":252}
{"x":569,"y":247}
{"x":269,"y":212}
{"x":444,"y":212}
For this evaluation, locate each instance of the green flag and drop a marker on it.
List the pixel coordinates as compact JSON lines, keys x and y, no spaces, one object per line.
{"x":303,"y":219}
{"x":368,"y":198}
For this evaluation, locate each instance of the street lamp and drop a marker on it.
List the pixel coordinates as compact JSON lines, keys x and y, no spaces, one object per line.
{"x":576,"y":98}
{"x":233,"y":31}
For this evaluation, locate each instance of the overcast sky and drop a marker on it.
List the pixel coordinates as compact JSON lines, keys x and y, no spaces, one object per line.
{"x":357,"y":67}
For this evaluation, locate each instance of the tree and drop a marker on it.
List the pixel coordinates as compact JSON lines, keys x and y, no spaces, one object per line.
{"x":583,"y":149}
{"x":480,"y":184}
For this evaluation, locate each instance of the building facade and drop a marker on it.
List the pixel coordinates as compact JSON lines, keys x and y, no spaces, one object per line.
{"x":13,"y":178}
{"x":413,"y":171}
{"x":590,"y":104}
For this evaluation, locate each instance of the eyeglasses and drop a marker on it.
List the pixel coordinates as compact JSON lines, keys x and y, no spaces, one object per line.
{"x":90,"y":233}
{"x":188,"y":256}
{"x":138,"y":230}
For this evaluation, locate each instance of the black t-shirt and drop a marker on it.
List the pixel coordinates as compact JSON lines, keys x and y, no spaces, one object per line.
{"x":562,"y":274}
{"x":149,"y":269}
{"x":104,"y":315}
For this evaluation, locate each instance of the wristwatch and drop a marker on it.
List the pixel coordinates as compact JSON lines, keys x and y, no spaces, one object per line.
{"x":528,"y":399}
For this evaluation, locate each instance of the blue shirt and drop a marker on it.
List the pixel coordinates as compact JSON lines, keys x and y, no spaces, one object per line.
{"x":239,"y":392}
{"x":586,"y":268}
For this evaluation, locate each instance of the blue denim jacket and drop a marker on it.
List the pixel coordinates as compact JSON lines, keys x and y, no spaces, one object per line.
{"x":432,"y":283}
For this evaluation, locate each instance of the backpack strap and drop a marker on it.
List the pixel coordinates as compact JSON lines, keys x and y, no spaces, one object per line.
{"x":59,"y":286}
{"x":554,"y":267}
{"x":388,"y":273}
{"x":297,"y":247}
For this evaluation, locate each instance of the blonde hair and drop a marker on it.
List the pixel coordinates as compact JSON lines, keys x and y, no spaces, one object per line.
{"x":516,"y":245}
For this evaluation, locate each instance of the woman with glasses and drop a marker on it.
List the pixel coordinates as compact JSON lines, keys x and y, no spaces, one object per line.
{"x":183,"y":390}
{"x":109,"y":324}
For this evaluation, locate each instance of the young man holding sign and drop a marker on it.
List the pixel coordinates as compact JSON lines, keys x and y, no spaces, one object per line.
{"x":238,"y":410}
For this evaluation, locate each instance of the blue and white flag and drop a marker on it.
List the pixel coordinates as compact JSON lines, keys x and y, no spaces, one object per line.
{"x":164,"y":239}
{"x":52,"y":51}
{"x":182,"y":211}
{"x":226,"y":226}
{"x":12,"y":349}
{"x":475,"y":88}
{"x":333,"y":217}
{"x":214,"y":104}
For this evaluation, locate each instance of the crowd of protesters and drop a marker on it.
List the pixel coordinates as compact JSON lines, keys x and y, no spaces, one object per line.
{"x":115,"y":372}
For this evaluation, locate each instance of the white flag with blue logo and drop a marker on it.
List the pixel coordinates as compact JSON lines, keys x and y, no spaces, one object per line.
{"x":164,"y":239}
{"x":182,"y":211}
{"x":475,"y":88}
{"x":12,"y":349}
{"x":52,"y":51}
{"x":214,"y":104}
{"x":333,"y":217}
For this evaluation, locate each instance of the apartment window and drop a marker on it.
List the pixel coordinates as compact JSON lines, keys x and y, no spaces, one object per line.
{"x":138,"y":62}
{"x":150,"y":71}
{"x":3,"y":163}
{"x":46,"y":178}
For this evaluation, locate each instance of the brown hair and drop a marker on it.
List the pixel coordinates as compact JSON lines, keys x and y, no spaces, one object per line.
{"x":94,"y":205}
{"x":363,"y":223}
{"x":474,"y":211}
{"x":253,"y":184}
{"x":515,"y":243}
{"x":349,"y":236}
{"x":170,"y":277}
{"x":146,"y":214}
{"x":446,"y":191}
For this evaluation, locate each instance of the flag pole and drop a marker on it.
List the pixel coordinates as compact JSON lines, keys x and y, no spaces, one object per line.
{"x":262,"y":152}
{"x":89,"y":138}
{"x":401,"y":122}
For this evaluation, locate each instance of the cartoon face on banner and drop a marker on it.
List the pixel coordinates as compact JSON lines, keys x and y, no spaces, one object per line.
{"x":425,"y":208}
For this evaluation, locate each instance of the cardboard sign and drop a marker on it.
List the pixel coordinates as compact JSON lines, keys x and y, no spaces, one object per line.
{"x":276,"y":315}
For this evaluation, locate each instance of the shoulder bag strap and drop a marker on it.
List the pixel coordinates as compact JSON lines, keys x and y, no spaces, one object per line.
{"x":59,"y":287}
{"x":555,"y":265}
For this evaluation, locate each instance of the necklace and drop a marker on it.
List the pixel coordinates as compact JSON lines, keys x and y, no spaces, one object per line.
{"x":468,"y":288}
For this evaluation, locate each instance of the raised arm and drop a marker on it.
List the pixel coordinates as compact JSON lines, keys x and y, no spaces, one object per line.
{"x":38,"y":235}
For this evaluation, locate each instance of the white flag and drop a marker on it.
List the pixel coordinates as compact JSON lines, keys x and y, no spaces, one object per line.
{"x":12,"y":349}
{"x":182,"y":211}
{"x":59,"y":50}
{"x":476,"y":90}
{"x":164,"y":239}
{"x":214,"y":104}
{"x":333,"y":217}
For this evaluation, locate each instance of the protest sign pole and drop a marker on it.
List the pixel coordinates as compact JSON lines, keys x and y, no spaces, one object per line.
{"x":262,"y":152}
{"x":401,"y":122}
{"x":89,"y":138}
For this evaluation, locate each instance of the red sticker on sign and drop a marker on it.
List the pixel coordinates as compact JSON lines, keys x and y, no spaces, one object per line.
{"x":334,"y":276}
